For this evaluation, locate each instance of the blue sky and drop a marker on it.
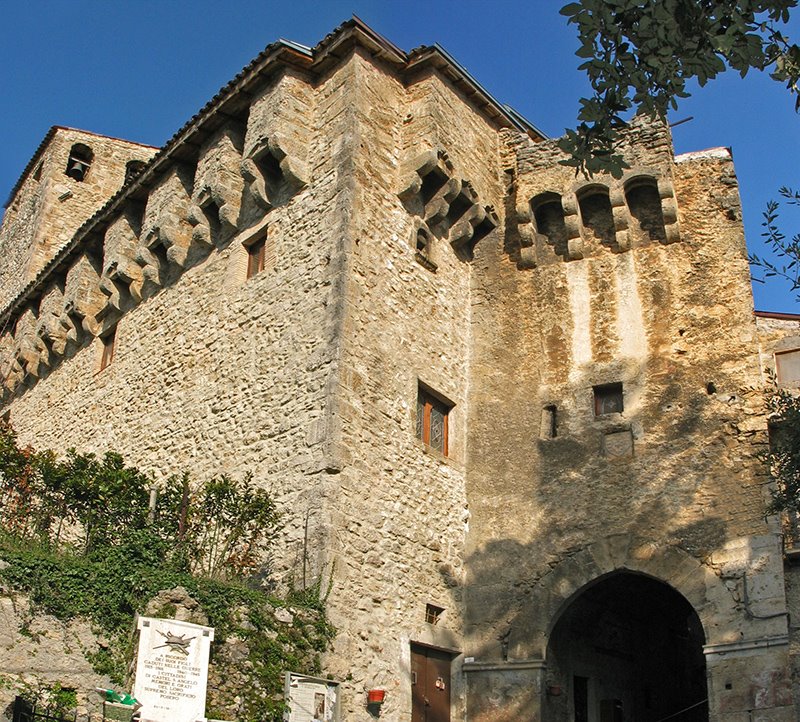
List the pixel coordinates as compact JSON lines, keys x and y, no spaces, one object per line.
{"x":139,"y":70}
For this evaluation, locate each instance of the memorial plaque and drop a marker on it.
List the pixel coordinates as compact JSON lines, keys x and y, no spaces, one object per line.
{"x":311,"y":699}
{"x":172,"y":670}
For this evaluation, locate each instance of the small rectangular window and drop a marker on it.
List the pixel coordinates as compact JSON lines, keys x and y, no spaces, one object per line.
{"x":432,"y":420}
{"x":608,"y":399}
{"x":109,"y":342}
{"x":549,"y":425}
{"x":256,"y":253}
{"x":433,"y":613}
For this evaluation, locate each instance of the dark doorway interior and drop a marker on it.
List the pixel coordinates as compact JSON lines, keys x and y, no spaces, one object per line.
{"x":430,"y":684}
{"x":629,"y":648}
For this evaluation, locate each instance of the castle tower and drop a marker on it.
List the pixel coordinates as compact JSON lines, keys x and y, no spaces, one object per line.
{"x":508,"y":413}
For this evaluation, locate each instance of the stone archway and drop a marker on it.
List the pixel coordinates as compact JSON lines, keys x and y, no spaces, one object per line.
{"x":626,"y":648}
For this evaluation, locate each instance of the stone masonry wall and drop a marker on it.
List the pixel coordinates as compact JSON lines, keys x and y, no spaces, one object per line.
{"x":50,"y":206}
{"x":211,"y":372}
{"x":671,"y":319}
{"x":780,"y":335}
{"x":402,"y":513}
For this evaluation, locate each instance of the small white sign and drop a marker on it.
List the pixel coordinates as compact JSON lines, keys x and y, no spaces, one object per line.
{"x":172,"y":670}
{"x":311,"y":699}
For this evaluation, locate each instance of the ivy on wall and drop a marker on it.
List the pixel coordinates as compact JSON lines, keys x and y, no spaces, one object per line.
{"x":82,"y":537}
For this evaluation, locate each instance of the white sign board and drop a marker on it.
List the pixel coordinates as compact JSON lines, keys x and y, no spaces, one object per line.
{"x":172,"y":670}
{"x":311,"y":699}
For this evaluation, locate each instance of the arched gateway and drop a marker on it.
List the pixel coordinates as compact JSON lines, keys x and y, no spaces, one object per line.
{"x":626,"y":647}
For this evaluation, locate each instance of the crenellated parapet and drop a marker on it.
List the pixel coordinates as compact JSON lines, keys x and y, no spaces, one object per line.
{"x":561,"y":218}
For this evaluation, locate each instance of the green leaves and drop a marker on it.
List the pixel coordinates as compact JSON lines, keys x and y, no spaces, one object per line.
{"x":786,"y":251}
{"x":641,"y":53}
{"x":78,"y":537}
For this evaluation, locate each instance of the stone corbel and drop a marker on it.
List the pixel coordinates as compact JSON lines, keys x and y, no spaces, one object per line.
{"x":79,"y":324}
{"x":52,"y":338}
{"x":228,"y":213}
{"x":464,"y":229}
{"x":669,"y":210}
{"x":527,"y":236}
{"x":573,"y":226}
{"x":294,"y":172}
{"x":413,"y":171}
{"x":27,"y":354}
{"x":153,"y":267}
{"x":83,"y":299}
{"x":122,"y":275}
{"x":12,"y":373}
{"x":619,"y":211}
{"x":114,"y":286}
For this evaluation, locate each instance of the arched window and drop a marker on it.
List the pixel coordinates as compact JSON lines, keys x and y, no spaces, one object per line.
{"x":80,"y":158}
{"x":644,"y":203}
{"x":549,"y":216}
{"x":596,"y":214}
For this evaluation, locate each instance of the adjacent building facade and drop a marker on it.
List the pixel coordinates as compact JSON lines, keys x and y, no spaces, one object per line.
{"x":513,"y":416}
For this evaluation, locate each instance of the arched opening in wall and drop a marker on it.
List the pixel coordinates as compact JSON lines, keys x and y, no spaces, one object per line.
{"x":627,"y":647}
{"x":80,"y":158}
{"x":210,"y":210}
{"x":432,"y":183}
{"x":274,"y":180}
{"x":549,"y":216}
{"x":597,"y":216}
{"x":644,"y":203}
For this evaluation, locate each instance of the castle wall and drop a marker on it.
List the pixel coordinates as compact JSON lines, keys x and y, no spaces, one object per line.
{"x":402,"y":513}
{"x":212,"y":372}
{"x":411,"y":247}
{"x":50,"y":206}
{"x":670,"y":318}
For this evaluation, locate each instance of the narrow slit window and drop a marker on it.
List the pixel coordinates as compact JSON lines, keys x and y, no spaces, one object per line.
{"x":256,"y":256}
{"x":432,"y":421}
{"x":549,"y":426}
{"x":109,"y":342}
{"x":608,"y":399}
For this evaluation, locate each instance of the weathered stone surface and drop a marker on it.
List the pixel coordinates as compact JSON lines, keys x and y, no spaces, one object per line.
{"x":416,"y":241}
{"x":50,"y":206}
{"x":39,"y":651}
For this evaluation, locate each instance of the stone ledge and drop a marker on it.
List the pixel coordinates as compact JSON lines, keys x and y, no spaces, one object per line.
{"x":745,"y":645}
{"x":509,"y":666}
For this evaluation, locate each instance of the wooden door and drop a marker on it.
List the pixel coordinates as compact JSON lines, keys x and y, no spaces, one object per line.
{"x":430,"y":685}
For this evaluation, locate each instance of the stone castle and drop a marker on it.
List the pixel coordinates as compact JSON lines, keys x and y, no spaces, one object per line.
{"x":513,"y":416}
